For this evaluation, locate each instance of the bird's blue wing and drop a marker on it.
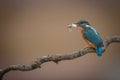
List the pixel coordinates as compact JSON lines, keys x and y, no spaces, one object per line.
{"x":93,"y":36}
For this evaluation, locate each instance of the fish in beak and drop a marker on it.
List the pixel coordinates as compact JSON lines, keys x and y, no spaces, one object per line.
{"x":70,"y":26}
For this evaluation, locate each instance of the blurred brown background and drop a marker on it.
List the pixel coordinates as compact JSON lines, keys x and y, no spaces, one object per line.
{"x":33,"y":28}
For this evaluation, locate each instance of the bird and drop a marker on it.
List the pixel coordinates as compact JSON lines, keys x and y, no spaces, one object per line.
{"x":90,"y":35}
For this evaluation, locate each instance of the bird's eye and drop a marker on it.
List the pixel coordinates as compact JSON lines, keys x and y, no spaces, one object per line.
{"x":82,"y":22}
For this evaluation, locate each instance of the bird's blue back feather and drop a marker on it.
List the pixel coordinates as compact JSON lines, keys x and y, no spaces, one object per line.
{"x":93,"y":36}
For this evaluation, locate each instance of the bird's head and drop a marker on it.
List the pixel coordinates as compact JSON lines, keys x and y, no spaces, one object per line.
{"x":78,"y":23}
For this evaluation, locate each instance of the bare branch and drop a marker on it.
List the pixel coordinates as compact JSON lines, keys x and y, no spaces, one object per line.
{"x":57,"y":57}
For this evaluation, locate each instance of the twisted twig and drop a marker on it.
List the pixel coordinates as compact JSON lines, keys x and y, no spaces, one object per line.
{"x":57,"y":57}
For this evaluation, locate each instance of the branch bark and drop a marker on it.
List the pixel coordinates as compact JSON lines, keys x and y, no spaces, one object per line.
{"x":56,"y":58}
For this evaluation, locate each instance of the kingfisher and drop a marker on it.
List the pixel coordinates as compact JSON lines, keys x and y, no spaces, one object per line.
{"x":90,"y":35}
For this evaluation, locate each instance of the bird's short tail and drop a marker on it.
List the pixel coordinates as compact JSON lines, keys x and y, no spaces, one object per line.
{"x":99,"y":50}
